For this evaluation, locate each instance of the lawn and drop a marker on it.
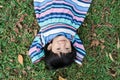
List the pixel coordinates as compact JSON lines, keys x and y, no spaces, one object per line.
{"x":100,"y":34}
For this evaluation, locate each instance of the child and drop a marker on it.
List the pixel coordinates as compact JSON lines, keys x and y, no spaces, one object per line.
{"x":57,"y":41}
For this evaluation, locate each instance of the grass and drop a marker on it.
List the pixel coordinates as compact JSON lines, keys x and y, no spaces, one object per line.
{"x":100,"y":34}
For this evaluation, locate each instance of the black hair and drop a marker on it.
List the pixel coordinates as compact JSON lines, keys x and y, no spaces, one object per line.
{"x":54,"y":61}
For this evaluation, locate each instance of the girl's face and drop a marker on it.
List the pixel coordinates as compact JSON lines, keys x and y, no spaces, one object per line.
{"x":60,"y":44}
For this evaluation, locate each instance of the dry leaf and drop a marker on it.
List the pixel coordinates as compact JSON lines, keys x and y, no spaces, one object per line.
{"x":102,"y":40}
{"x":22,"y":17}
{"x":95,"y":43}
{"x":20,"y":59}
{"x":12,"y":39}
{"x":27,"y":52}
{"x":16,"y":30}
{"x":0,"y":51}
{"x":1,"y":6}
{"x":111,"y":58}
{"x":35,"y":32}
{"x":28,"y":67}
{"x":118,"y":43}
{"x":94,"y":34}
{"x":102,"y":46}
{"x":60,"y":78}
{"x":112,"y":72}
{"x":24,"y":73}
{"x":93,"y":27}
{"x":19,"y":25}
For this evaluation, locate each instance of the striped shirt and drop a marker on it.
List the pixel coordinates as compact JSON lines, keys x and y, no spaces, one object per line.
{"x":55,"y":18}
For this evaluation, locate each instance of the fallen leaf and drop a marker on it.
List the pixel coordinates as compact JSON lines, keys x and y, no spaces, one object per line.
{"x":35,"y":32}
{"x":61,"y":78}
{"x":118,"y":43}
{"x":94,"y":34}
{"x":27,"y":52}
{"x":24,"y":73}
{"x":108,"y":24}
{"x":102,"y":46}
{"x":93,"y":27}
{"x":102,"y":40}
{"x":95,"y":43}
{"x":1,"y":6}
{"x":16,"y":30}
{"x":112,"y":72}
{"x":0,"y":51}
{"x":15,"y":71}
{"x":28,"y":67}
{"x":19,"y":25}
{"x":12,"y":39}
{"x":22,"y":17}
{"x":111,"y":58}
{"x":20,"y":59}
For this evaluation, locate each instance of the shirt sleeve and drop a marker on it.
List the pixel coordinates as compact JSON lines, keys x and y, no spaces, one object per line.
{"x":80,"y":50}
{"x":36,"y":51}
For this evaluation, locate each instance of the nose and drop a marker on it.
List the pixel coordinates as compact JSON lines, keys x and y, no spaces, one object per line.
{"x":62,"y":45}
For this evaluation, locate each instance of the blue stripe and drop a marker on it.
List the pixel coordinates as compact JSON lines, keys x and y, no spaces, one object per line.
{"x":82,"y":52}
{"x":38,"y":57}
{"x":39,"y":4}
{"x":35,"y":53}
{"x":53,"y":21}
{"x":81,"y":8}
{"x":58,"y":27}
{"x":58,"y":15}
{"x":62,"y":5}
{"x":85,"y":2}
{"x":78,"y":42}
{"x":36,"y":44}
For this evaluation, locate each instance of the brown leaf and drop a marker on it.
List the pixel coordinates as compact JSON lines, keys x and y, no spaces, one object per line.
{"x":112,"y":72}
{"x":102,"y":40}
{"x":118,"y":43}
{"x":93,"y":27}
{"x":22,"y":17}
{"x":95,"y":43}
{"x":102,"y":46}
{"x":108,"y":24}
{"x":12,"y":39}
{"x":35,"y":32}
{"x":28,"y":67}
{"x":94,"y":34}
{"x":20,"y":59}
{"x":61,"y":78}
{"x":19,"y":25}
{"x":16,"y":30}
{"x":24,"y":73}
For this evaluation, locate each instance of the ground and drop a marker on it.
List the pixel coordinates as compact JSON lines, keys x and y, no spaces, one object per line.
{"x":100,"y":34}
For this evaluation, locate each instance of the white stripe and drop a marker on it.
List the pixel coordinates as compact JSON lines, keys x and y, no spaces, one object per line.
{"x":39,"y":0}
{"x":54,"y":31}
{"x":81,"y":4}
{"x":78,"y":62}
{"x":79,"y":55}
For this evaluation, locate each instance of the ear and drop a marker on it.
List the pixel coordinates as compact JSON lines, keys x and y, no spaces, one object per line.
{"x":49,"y":47}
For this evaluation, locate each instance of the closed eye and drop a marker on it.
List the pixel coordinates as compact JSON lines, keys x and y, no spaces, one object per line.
{"x":58,"y":48}
{"x":67,"y":48}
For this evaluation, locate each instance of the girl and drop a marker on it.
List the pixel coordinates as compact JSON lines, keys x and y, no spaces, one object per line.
{"x":57,"y":41}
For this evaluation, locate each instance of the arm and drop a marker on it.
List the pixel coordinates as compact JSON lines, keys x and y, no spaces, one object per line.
{"x":80,"y":51}
{"x":36,"y":51}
